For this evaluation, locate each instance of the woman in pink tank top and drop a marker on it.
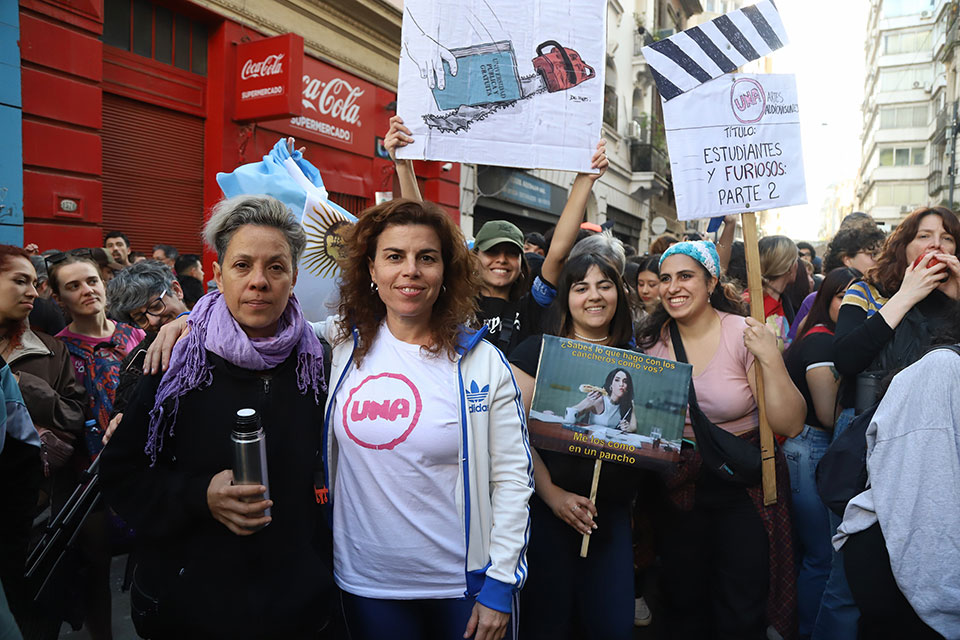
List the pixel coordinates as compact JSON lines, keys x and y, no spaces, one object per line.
{"x":725,"y":554}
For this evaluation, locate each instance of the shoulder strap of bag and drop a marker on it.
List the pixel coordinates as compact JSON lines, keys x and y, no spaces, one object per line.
{"x":681,"y":354}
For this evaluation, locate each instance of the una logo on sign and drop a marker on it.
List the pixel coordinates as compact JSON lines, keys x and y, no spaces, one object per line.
{"x":335,"y":97}
{"x":748,"y":100}
{"x":272,"y":65}
{"x":381,"y":411}
{"x":477,"y":397}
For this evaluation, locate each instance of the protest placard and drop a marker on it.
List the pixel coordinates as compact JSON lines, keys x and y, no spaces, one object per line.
{"x":482,"y":81}
{"x":608,"y":404}
{"x":735,"y":146}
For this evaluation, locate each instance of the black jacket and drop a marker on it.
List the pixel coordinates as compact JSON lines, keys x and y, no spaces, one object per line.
{"x":131,"y":369}
{"x":276,"y":583}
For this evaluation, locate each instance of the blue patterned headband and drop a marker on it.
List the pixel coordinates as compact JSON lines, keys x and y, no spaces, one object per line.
{"x":703,"y":251}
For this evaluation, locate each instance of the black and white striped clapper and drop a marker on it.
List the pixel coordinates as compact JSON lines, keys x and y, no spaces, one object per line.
{"x":687,"y":59}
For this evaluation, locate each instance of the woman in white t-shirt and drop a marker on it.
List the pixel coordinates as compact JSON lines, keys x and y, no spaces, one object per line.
{"x":610,"y":406}
{"x":428,"y":463}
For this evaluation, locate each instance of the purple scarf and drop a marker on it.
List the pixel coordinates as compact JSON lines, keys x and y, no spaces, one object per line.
{"x":213,"y":328}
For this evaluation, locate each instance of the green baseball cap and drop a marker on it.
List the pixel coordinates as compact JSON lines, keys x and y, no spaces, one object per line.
{"x":496,"y":231}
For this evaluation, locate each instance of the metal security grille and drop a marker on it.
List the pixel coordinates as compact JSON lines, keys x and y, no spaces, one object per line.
{"x":152,"y":174}
{"x":353,"y":204}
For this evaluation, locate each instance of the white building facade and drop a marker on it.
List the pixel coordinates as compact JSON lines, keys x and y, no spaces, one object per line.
{"x":903,"y":94}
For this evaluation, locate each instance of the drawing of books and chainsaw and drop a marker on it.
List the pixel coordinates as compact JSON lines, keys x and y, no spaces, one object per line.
{"x":486,"y":74}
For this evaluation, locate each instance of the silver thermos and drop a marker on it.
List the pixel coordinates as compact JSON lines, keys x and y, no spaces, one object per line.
{"x":250,"y":453}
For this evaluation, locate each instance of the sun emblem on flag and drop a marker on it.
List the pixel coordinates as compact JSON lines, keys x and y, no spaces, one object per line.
{"x":324,"y":227}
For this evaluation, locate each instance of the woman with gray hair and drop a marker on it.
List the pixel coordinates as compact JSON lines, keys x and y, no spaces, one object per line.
{"x":146,"y":295}
{"x":209,"y":565}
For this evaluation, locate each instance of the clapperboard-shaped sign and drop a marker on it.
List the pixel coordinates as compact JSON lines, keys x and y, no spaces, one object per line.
{"x":734,"y":139}
{"x":686,"y":60}
{"x":735,"y":146}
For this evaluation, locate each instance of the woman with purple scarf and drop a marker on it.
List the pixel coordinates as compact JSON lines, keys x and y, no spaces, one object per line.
{"x":208,"y":566}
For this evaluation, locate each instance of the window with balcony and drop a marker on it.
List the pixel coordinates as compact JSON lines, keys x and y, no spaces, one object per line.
{"x":903,"y":156}
{"x":901,"y":195}
{"x":905,"y":78}
{"x":901,"y":117}
{"x":907,"y":42}
{"x":156,"y":32}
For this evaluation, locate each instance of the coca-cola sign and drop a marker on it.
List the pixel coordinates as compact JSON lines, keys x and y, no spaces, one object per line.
{"x":267,"y":78}
{"x":272,"y":65}
{"x":338,"y":109}
{"x":336,"y":98}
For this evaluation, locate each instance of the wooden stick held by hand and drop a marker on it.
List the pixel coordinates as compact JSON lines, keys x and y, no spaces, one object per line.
{"x":593,"y":498}
{"x":755,"y":286}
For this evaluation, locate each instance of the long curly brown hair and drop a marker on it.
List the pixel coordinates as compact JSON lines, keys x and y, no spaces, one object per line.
{"x":361,"y":307}
{"x":887,"y":275}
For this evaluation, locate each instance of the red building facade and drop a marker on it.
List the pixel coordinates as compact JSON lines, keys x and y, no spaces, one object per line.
{"x":129,"y":113}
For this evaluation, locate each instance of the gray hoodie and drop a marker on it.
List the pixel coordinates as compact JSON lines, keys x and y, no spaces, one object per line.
{"x":913,"y":488}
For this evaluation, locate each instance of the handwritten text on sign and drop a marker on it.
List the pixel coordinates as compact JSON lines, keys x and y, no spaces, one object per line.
{"x":735,"y":146}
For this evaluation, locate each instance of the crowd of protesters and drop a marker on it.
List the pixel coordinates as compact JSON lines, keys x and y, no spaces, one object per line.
{"x":460,"y":528}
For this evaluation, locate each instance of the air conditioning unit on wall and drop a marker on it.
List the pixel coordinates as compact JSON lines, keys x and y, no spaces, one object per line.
{"x":634,"y":130}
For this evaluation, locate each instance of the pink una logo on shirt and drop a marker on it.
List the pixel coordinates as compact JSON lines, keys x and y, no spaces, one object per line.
{"x":382,"y":411}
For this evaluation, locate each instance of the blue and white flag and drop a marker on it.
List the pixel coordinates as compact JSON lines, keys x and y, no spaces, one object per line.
{"x":288,"y":177}
{"x":699,"y":54}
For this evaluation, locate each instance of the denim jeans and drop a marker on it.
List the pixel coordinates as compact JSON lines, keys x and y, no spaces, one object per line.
{"x":838,"y":616}
{"x":811,"y":522}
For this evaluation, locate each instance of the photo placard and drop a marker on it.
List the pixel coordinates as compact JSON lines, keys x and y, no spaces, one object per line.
{"x":608,"y":404}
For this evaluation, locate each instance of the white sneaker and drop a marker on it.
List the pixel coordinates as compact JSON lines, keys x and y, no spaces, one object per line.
{"x":641,"y":613}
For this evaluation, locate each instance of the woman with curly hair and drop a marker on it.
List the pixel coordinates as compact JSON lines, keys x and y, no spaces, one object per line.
{"x":886,"y":319}
{"x":511,"y":303}
{"x":427,"y":462}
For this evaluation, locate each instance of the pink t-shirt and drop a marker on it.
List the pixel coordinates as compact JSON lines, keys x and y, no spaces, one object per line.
{"x":723,"y":390}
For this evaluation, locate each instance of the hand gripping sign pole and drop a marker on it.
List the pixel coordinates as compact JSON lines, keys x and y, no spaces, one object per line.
{"x":755,"y":286}
{"x":593,"y":498}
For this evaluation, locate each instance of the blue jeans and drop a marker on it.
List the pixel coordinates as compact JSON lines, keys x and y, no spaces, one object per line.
{"x":811,"y":522}
{"x":838,"y":616}
{"x":439,"y":619}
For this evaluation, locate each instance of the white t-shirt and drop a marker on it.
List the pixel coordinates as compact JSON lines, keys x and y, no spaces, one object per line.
{"x":398,"y":532}
{"x":609,"y":418}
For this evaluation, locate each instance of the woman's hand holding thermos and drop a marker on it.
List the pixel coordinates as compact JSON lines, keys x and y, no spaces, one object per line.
{"x":228,"y":504}
{"x":236,"y":505}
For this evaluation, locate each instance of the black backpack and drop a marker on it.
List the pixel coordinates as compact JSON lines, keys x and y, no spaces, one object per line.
{"x":842,"y":472}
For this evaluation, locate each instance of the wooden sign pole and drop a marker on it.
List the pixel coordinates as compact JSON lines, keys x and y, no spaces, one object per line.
{"x":755,"y":286}
{"x":593,"y":498}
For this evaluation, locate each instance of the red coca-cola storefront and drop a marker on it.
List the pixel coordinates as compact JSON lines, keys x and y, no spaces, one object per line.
{"x":131,"y":108}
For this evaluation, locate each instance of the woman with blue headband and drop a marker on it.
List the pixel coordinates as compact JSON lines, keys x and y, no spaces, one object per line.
{"x":725,"y":554}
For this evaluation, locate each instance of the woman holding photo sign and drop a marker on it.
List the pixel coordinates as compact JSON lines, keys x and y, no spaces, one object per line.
{"x":725,"y":555}
{"x":591,"y":307}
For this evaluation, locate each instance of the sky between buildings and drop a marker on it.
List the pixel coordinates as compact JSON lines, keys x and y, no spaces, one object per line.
{"x":826,"y":52}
